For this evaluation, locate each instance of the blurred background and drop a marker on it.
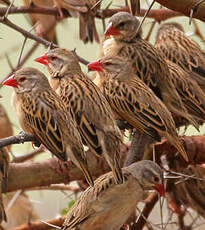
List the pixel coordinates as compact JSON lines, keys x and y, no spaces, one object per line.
{"x":49,"y":204}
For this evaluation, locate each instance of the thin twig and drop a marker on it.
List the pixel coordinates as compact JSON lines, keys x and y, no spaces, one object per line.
{"x":23,"y":60}
{"x":28,"y":156}
{"x":18,"y":139}
{"x":61,"y":187}
{"x":39,"y":225}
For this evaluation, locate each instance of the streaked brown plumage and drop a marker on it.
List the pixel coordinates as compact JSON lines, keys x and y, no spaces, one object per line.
{"x":5,"y":2}
{"x":42,"y":113}
{"x":107,"y":206}
{"x":146,"y":61}
{"x":4,"y":166}
{"x":134,"y":102}
{"x":191,"y":94}
{"x":5,"y":124}
{"x":174,"y":45}
{"x":92,"y":112}
{"x":43,"y":22}
{"x":86,"y":10}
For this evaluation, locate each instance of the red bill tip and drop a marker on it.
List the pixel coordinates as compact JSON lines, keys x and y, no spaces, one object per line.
{"x":160,"y":188}
{"x":111,"y":30}
{"x":95,"y":65}
{"x":42,"y":59}
{"x":11,"y":81}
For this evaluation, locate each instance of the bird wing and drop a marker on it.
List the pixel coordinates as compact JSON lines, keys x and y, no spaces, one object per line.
{"x":191,"y":94}
{"x":91,"y":201}
{"x":46,"y":119}
{"x":183,"y":51}
{"x":85,"y":102}
{"x":135,"y":103}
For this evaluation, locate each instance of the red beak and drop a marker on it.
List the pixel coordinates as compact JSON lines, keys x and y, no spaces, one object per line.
{"x":95,"y":65}
{"x":160,"y":188}
{"x":11,"y":81}
{"x":111,"y":30}
{"x":42,"y":59}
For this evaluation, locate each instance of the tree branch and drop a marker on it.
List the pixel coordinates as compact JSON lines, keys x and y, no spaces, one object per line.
{"x":157,"y":14}
{"x":38,"y":225}
{"x":53,"y":171}
{"x":18,"y":139}
{"x":185,"y":7}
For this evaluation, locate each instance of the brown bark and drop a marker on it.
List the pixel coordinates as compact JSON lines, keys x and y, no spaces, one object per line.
{"x":38,"y":225}
{"x":52,"y":171}
{"x":185,"y":6}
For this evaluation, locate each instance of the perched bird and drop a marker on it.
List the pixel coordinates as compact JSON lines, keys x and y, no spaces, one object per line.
{"x":92,"y":112}
{"x":134,"y":6}
{"x":107,"y":206}
{"x":176,"y":46}
{"x":192,"y":96}
{"x":5,"y":2}
{"x":4,"y":166}
{"x":5,"y":124}
{"x":42,"y":113}
{"x":86,"y":10}
{"x":44,"y":24}
{"x":126,"y":41}
{"x":133,"y":101}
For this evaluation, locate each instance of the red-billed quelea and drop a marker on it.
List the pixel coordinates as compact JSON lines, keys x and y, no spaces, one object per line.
{"x":132,"y":100}
{"x":107,"y":205}
{"x":147,"y":62}
{"x":92,"y":112}
{"x":42,"y":113}
{"x":176,"y":46}
{"x":86,"y":11}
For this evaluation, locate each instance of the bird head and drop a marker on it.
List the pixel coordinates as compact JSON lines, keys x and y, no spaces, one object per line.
{"x":111,"y":65}
{"x":123,"y":26}
{"x":149,"y":175}
{"x":27,"y":79}
{"x":59,"y":62}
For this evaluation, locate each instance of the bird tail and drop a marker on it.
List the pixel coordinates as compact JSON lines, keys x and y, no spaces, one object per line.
{"x":178,"y":144}
{"x":2,"y":213}
{"x":111,"y":151}
{"x":86,"y":173}
{"x":78,"y":157}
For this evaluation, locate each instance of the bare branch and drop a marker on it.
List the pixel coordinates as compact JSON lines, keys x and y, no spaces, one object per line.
{"x":18,"y":139}
{"x":38,"y":225}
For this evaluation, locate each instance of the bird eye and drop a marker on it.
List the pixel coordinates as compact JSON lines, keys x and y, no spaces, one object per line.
{"x":53,"y":58}
{"x":156,"y":179}
{"x":121,"y":24}
{"x":22,"y":79}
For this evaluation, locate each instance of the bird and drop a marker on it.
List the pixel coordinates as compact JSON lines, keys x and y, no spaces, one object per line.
{"x":5,"y":124}
{"x":176,"y":46}
{"x":86,"y":11}
{"x":41,"y":112}
{"x":44,"y":24}
{"x":92,"y":112}
{"x":134,"y":6}
{"x":192,"y":96}
{"x":126,"y":41}
{"x":5,"y":2}
{"x":4,"y":166}
{"x":107,"y":206}
{"x":135,"y":102}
